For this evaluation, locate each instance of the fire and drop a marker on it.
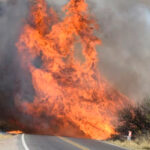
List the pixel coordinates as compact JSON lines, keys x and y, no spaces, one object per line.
{"x":15,"y":132}
{"x":71,"y":97}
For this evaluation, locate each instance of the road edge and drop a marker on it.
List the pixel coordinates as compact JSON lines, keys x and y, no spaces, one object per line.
{"x":113,"y":144}
{"x":25,"y":146}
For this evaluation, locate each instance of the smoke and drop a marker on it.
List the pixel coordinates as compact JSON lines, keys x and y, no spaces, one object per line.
{"x":12,"y":14}
{"x":124,"y":55}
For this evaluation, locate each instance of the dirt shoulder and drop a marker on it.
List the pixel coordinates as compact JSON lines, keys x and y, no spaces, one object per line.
{"x":5,"y":136}
{"x":8,"y":142}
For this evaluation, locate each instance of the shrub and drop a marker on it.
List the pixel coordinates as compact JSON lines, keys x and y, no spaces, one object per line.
{"x":135,"y":118}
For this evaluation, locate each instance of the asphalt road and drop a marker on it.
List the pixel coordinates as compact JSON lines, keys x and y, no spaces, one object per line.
{"x":38,"y":142}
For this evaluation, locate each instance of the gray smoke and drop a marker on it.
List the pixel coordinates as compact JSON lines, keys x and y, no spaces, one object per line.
{"x":12,"y":16}
{"x":125,"y":53}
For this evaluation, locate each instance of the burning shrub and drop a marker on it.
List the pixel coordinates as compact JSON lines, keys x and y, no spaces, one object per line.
{"x":135,"y":118}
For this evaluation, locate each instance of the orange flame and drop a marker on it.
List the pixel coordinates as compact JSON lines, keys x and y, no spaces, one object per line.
{"x":15,"y":132}
{"x":69,"y":88}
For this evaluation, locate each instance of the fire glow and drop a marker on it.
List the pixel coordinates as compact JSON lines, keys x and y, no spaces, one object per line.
{"x":71,"y":97}
{"x":15,"y":132}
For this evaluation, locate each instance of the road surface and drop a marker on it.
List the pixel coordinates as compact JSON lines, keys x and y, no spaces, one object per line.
{"x":39,"y":142}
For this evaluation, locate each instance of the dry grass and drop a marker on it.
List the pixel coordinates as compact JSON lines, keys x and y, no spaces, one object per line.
{"x":5,"y":136}
{"x":138,"y":144}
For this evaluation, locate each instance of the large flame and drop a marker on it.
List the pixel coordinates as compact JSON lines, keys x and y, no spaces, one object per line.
{"x":70,"y":92}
